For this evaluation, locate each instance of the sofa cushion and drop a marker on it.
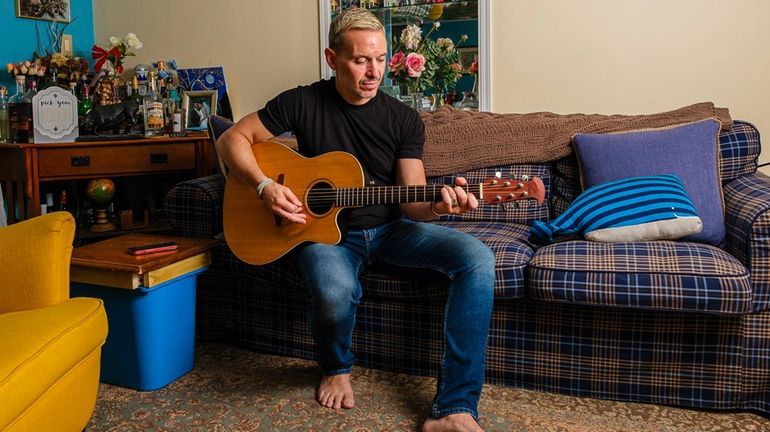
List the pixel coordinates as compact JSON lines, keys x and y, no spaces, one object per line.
{"x":630,"y":209}
{"x":689,"y":151}
{"x":671,"y":275}
{"x":507,"y":241}
{"x":739,"y":149}
{"x":523,"y":212}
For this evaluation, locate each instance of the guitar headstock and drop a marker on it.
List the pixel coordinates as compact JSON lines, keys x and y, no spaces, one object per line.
{"x":496,"y":190}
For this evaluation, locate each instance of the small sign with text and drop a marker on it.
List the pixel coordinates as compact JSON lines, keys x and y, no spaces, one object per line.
{"x":55,"y":115}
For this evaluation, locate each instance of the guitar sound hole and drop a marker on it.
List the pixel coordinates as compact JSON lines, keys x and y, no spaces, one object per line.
{"x":320,"y":198}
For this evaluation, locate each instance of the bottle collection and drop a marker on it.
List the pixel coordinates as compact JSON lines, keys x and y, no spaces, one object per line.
{"x":159,"y":111}
{"x":151,"y":96}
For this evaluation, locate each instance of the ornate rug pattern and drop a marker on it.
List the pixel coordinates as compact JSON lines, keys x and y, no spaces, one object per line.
{"x":236,"y":390}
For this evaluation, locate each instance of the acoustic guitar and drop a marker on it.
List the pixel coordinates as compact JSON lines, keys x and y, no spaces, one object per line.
{"x":327,"y":184}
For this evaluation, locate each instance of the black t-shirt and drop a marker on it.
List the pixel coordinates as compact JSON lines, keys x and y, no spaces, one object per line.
{"x":376,"y":133}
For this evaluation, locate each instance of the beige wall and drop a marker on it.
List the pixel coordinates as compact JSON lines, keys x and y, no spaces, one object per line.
{"x":265,"y":46}
{"x":564,"y":56}
{"x":632,"y":56}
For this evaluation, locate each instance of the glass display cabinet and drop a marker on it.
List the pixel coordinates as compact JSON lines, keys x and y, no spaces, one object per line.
{"x":456,"y":18}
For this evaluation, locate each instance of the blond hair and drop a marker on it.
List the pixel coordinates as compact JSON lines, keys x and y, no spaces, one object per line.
{"x":352,"y":19}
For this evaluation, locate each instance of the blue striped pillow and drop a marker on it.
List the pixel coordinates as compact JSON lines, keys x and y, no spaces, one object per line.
{"x":631,"y":209}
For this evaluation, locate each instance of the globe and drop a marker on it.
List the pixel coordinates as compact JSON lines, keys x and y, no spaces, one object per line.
{"x":100,"y":191}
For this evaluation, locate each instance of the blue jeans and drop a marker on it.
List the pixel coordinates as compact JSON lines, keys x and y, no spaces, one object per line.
{"x":331,"y":275}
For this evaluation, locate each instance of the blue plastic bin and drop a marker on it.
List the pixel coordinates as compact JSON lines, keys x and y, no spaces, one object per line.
{"x":151,"y":339}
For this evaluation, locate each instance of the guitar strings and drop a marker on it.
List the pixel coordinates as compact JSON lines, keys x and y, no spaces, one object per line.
{"x":385,"y":194}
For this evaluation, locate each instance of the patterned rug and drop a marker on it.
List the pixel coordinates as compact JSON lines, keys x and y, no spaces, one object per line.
{"x":232,"y":389}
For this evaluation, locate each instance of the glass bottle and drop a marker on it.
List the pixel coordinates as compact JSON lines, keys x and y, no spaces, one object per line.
{"x":154,"y":120}
{"x":136,"y":96}
{"x":52,"y":79}
{"x":63,"y":201}
{"x":20,"y":113}
{"x":4,"y":125}
{"x":85,"y":104}
{"x":176,"y":113}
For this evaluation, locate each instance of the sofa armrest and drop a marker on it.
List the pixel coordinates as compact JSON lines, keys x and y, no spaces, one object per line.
{"x":194,"y":207}
{"x":747,"y":219}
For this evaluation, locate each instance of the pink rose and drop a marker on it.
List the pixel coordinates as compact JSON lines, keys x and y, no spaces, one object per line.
{"x":396,"y":63}
{"x":415,"y":64}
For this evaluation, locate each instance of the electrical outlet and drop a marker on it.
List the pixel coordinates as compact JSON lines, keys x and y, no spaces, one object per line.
{"x":66,"y":44}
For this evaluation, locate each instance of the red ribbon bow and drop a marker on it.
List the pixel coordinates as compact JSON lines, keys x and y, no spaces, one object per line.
{"x":101,"y":55}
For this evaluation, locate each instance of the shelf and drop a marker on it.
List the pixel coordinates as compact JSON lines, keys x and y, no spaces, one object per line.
{"x":451,"y":10}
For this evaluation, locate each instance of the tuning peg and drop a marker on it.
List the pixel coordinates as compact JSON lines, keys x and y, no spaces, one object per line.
{"x":525,"y":177}
{"x":507,"y":184}
{"x":520,"y":185}
{"x":498,"y":198}
{"x":498,"y":174}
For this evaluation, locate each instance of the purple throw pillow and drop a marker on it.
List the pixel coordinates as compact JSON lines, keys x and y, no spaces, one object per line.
{"x":691,"y":151}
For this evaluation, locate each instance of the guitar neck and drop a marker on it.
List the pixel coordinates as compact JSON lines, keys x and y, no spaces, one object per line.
{"x":357,"y":197}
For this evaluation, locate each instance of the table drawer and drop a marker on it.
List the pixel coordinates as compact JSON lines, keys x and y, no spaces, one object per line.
{"x":59,"y":162}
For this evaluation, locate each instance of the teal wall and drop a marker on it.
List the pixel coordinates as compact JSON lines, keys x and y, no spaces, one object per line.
{"x":20,"y":39}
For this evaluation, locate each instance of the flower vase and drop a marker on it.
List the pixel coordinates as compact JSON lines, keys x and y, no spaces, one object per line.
{"x":419,"y":101}
{"x":415,"y":100}
{"x":110,"y":89}
{"x":438,"y":101}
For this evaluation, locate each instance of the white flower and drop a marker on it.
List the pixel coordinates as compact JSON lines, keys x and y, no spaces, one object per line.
{"x":115,"y":41}
{"x":133,"y":41}
{"x":410,"y":36}
{"x":445,"y":45}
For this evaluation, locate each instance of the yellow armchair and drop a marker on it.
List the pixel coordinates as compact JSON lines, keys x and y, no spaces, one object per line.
{"x":50,"y":345}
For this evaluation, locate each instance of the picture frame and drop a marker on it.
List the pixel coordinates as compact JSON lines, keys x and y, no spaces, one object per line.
{"x":46,"y":10}
{"x":467,"y":56}
{"x":208,"y":78}
{"x":197,"y":107}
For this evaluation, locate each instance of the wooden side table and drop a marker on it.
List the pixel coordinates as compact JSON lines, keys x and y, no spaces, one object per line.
{"x":25,"y":168}
{"x":150,"y":304}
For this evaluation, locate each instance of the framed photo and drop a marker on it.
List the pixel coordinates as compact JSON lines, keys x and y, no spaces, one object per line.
{"x":467,"y":56}
{"x":48,"y":10}
{"x":197,"y":107}
{"x":210,"y":78}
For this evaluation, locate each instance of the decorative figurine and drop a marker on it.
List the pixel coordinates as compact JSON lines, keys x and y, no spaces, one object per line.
{"x":118,"y":118}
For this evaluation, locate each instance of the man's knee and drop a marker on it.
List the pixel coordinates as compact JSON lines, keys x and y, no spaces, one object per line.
{"x":336,"y":301}
{"x":475,"y":251}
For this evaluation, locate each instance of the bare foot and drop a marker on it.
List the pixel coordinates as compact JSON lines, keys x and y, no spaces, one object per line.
{"x":461,"y":422}
{"x":335,"y":391}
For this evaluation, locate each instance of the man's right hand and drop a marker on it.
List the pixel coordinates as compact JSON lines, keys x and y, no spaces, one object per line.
{"x":282,"y":202}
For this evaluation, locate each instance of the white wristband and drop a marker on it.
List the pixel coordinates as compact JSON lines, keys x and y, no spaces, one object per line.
{"x":261,"y":186}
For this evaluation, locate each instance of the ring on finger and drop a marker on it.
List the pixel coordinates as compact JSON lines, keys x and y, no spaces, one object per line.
{"x":455,"y":203}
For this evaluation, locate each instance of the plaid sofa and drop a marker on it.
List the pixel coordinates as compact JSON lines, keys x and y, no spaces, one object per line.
{"x":661,"y":322}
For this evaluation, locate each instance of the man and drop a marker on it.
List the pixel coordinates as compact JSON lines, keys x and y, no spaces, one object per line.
{"x":202,"y":112}
{"x":348,"y":113}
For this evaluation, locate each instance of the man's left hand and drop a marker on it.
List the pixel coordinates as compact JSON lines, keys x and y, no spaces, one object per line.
{"x":455,"y":200}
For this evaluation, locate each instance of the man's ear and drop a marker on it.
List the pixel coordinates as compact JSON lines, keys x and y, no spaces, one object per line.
{"x":331,"y":58}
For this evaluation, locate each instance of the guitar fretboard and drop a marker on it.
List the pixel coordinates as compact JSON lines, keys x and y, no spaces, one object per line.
{"x":355,"y":197}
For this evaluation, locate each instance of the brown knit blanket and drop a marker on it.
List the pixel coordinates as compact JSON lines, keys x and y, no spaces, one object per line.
{"x":457,"y":141}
